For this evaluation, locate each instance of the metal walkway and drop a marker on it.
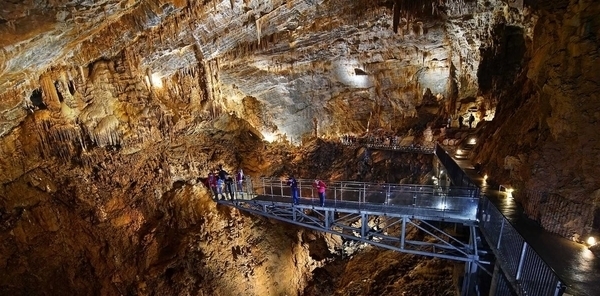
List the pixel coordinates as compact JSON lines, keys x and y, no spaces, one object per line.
{"x":374,"y":213}
{"x":519,"y":269}
{"x":391,"y":147}
{"x":383,"y":214}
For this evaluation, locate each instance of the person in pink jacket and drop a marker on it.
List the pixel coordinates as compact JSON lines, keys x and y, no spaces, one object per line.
{"x":320,"y":186}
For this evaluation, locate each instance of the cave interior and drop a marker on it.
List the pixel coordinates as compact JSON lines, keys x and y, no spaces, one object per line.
{"x":113,"y":113}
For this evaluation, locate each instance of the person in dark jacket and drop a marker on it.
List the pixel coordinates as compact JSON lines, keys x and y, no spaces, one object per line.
{"x":222,"y":173}
{"x":294,"y":188}
{"x":229,"y":187}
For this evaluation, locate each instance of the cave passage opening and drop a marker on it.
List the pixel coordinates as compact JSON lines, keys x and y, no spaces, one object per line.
{"x":37,"y":99}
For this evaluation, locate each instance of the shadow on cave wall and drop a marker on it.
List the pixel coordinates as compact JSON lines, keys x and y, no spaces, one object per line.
{"x":501,"y":62}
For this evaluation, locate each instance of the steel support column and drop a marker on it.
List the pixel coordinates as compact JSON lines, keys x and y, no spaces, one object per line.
{"x":364,"y":224}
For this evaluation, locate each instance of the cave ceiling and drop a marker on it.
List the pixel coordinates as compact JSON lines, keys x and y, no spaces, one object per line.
{"x":295,"y":57}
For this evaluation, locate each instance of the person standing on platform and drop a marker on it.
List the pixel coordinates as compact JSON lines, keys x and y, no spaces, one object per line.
{"x":460,"y":121}
{"x":229,"y":187}
{"x":220,"y":183}
{"x":240,"y":181}
{"x":222,"y":173}
{"x":320,"y":186}
{"x":294,"y":188}
{"x":471,"y":119}
{"x":212,"y":184}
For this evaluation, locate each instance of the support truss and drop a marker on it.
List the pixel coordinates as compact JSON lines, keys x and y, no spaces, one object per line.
{"x":386,"y":230}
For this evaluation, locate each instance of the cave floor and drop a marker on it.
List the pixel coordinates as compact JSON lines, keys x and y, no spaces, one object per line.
{"x":574,"y":263}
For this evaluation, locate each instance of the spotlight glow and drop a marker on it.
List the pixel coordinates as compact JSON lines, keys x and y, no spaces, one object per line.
{"x":509,"y":192}
{"x":591,"y":241}
{"x":156,"y":80}
{"x":442,"y":206}
{"x":269,"y":137}
{"x":472,"y":141}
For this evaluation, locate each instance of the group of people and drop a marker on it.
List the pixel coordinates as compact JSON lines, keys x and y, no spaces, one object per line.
{"x":461,"y":119}
{"x":377,"y":140}
{"x":349,"y":139}
{"x":319,"y":185}
{"x":222,"y":183}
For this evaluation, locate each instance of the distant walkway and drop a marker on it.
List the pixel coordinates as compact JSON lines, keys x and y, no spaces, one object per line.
{"x":572,"y":262}
{"x":392,"y":147}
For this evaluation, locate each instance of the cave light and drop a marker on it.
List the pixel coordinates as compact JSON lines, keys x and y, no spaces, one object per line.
{"x":269,"y":137}
{"x":156,"y":80}
{"x":351,"y":73}
{"x":509,"y":192}
{"x":472,"y":141}
{"x":442,"y":205}
{"x":485,"y":177}
{"x":591,"y":241}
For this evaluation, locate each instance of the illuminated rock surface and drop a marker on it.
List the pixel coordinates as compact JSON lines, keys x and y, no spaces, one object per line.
{"x":111,"y":110}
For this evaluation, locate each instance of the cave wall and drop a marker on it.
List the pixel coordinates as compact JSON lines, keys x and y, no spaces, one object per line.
{"x":544,"y":141}
{"x":350,"y":72}
{"x":300,"y":60}
{"x":135,"y":106}
{"x":100,"y":193}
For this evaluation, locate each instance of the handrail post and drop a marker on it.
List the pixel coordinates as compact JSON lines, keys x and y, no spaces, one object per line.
{"x":387,"y":196}
{"x":364,"y":192}
{"x":521,"y":260}
{"x":271,"y":190}
{"x":500,"y":234}
{"x":281,"y":187}
{"x":334,"y":195}
{"x":403,"y":234}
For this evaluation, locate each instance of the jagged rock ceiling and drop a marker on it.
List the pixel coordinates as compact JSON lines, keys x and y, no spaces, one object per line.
{"x":292,"y":56}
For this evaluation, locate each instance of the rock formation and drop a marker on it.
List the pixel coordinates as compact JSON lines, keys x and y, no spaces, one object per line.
{"x":110,"y":111}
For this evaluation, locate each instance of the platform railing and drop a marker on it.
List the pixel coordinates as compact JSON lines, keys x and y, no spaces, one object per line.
{"x":243,"y":190}
{"x":456,"y":173}
{"x":422,"y":149}
{"x":454,"y":202}
{"x":521,"y":263}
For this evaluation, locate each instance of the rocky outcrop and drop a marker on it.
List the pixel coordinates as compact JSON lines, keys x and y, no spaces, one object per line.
{"x":100,"y":191}
{"x":112,"y":110}
{"x":545,"y":117}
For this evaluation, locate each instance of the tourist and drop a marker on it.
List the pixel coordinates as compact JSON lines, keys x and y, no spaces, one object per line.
{"x":229,"y":187}
{"x":240,"y":180}
{"x":471,"y":119}
{"x":320,"y":186}
{"x":460,"y":121}
{"x":294,"y":188}
{"x":212,"y":184}
{"x":222,"y":173}
{"x":220,"y":183}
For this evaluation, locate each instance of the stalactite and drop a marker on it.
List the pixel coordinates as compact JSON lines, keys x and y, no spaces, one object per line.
{"x":258,"y":28}
{"x":49,"y":92}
